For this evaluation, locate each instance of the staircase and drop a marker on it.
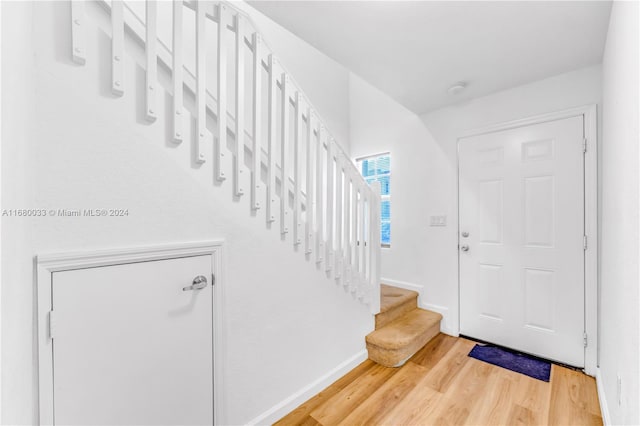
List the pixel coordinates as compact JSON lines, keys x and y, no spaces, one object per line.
{"x":253,"y":123}
{"x":401,"y":327}
{"x":262,"y":135}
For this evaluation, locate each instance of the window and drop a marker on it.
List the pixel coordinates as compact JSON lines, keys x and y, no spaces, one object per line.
{"x":377,"y":168}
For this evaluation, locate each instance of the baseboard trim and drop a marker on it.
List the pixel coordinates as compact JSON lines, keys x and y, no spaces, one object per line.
{"x":444,"y":324}
{"x":287,"y":405}
{"x":604,"y":407}
{"x":403,"y":284}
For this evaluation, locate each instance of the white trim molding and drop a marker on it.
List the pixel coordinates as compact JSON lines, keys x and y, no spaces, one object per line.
{"x":288,"y":404}
{"x":403,"y":284}
{"x":445,"y":325}
{"x":590,"y":131}
{"x":604,"y":406}
{"x":47,"y":264}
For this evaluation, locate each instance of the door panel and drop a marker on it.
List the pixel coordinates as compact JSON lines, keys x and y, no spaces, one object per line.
{"x":522,"y":203}
{"x":131,"y":347}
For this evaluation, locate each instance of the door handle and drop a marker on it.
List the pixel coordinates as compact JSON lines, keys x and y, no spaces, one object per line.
{"x":198,"y":283}
{"x":464,"y":247}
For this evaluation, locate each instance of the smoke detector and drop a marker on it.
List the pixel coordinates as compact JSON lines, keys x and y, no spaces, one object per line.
{"x":457,"y":88}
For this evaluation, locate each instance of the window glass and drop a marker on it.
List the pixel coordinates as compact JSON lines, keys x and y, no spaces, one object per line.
{"x":377,"y":168}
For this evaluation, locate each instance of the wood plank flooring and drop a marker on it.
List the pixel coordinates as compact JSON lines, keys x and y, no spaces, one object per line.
{"x":441,"y":385}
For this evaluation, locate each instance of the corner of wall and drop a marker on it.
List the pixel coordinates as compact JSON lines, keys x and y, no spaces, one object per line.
{"x":604,"y":407}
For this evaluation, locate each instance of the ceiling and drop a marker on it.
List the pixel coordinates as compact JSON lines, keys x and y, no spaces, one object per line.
{"x":415,"y":50}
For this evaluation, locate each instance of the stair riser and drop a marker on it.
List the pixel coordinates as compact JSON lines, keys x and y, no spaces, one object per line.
{"x":396,"y":312}
{"x":397,"y":357}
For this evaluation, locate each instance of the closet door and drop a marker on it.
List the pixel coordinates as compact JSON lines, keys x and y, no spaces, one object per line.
{"x":133,"y":343}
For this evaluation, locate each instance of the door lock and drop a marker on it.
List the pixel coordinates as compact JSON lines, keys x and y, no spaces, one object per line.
{"x":464,"y":247}
{"x":465,"y":234}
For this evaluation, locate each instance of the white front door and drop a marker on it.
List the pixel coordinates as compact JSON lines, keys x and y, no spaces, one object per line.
{"x":521,"y":239}
{"x":130,"y":347}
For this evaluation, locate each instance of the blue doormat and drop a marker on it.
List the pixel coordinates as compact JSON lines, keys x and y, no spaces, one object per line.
{"x":514,"y":361}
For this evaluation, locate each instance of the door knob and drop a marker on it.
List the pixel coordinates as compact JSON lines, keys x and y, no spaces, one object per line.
{"x":198,"y":283}
{"x":464,"y":247}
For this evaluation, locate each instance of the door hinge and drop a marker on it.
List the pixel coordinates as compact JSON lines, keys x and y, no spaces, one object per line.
{"x":52,"y":324}
{"x":584,"y":242}
{"x":584,"y":145}
{"x":584,"y":339}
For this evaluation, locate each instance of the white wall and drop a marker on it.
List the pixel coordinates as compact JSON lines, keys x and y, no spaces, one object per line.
{"x":424,"y":171}
{"x":67,"y":143}
{"x":620,"y":325}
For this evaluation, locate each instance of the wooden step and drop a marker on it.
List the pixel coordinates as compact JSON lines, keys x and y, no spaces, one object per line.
{"x":394,"y":303}
{"x":396,"y":342}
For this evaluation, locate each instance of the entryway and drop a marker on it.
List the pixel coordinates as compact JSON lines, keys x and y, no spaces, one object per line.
{"x":522,"y":237}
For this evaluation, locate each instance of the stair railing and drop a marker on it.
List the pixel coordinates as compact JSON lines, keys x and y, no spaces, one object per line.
{"x":312,"y":188}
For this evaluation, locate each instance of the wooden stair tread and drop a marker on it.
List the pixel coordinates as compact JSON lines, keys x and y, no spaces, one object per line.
{"x":404,"y":330}
{"x":390,"y":297}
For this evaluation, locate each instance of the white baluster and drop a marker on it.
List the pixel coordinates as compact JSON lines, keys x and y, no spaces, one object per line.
{"x":374,"y":248}
{"x":338,"y":216}
{"x":220,"y":145}
{"x":238,"y":158}
{"x":78,"y":32}
{"x":355,"y":222}
{"x":201,"y":84}
{"x":117,"y":48}
{"x":363,"y":241}
{"x":297,"y":172}
{"x":151,"y":61}
{"x":346,"y":268}
{"x":284,"y":161}
{"x":320,"y":191}
{"x":257,"y":121}
{"x":357,"y":236}
{"x":330,"y":206}
{"x":273,"y":104}
{"x":311,"y":201}
{"x":177,"y":73}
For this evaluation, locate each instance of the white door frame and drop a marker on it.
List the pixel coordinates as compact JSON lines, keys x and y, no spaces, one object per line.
{"x":589,"y":113}
{"x":47,"y":264}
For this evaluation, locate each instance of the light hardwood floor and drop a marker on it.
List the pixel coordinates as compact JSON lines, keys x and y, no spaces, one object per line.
{"x":441,"y":385}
